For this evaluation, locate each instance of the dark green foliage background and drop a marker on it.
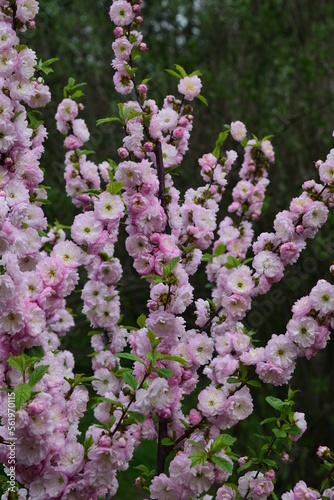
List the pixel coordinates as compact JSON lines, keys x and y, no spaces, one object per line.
{"x":269,"y":64}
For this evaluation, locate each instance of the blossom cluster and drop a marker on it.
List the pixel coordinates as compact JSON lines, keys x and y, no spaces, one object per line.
{"x":167,"y":235}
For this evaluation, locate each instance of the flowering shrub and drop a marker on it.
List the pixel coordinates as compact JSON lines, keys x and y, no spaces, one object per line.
{"x":143,"y":374}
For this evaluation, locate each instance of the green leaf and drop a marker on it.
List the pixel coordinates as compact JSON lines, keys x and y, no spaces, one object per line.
{"x":247,"y":261}
{"x":276,"y":403}
{"x":294,"y":430}
{"x":170,"y":266}
{"x":130,"y":380}
{"x":268,"y":420}
{"x":207,"y":257}
{"x":202,"y":99}
{"x":222,"y":441}
{"x":153,"y":277}
{"x":246,"y":466}
{"x":194,"y":443}
{"x":151,"y":337}
{"x":141,"y":321}
{"x":22,"y":394}
{"x":110,"y":298}
{"x":164,"y":372}
{"x":16,"y":362}
{"x":223,"y":463}
{"x":220,"y":249}
{"x":181,"y":70}
{"x":108,"y":120}
{"x":254,"y":383}
{"x":89,"y":441}
{"x":38,"y":374}
{"x":115,"y":187}
{"x":143,"y":469}
{"x":48,"y":62}
{"x":153,"y":356}
{"x":132,"y":357}
{"x":194,"y":73}
{"x":222,"y":138}
{"x":270,"y":463}
{"x":279,"y":433}
{"x":232,"y":262}
{"x":212,"y":304}
{"x":35,"y":352}
{"x":94,"y":332}
{"x":233,"y":380}
{"x":136,"y":415}
{"x":200,"y":457}
{"x":178,"y":359}
{"x":167,"y":442}
{"x":275,"y":497}
{"x":173,"y":73}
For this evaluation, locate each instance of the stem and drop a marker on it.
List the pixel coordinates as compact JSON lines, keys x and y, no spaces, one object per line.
{"x":14,"y":23}
{"x":266,"y":456}
{"x":163,"y":451}
{"x":161,"y":175}
{"x":208,"y":323}
{"x":125,"y":410}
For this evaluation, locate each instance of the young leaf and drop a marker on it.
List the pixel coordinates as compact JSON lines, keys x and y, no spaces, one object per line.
{"x":223,"y":463}
{"x":132,"y":357}
{"x":22,"y":394}
{"x":16,"y":362}
{"x":172,"y":72}
{"x":178,"y":359}
{"x":130,"y":380}
{"x":202,"y":99}
{"x":194,"y":443}
{"x":170,"y":266}
{"x":200,"y":457}
{"x":220,"y":249}
{"x":164,"y":372}
{"x":276,"y":403}
{"x":181,"y":70}
{"x":222,"y":441}
{"x":38,"y":374}
{"x":135,"y":415}
{"x":89,"y":441}
{"x":108,"y":120}
{"x":167,"y":442}
{"x":115,"y":187}
{"x":141,"y":321}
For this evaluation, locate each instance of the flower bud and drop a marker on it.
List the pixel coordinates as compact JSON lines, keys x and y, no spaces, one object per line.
{"x":194,"y":417}
{"x":178,"y":132}
{"x":122,"y":152}
{"x":142,"y":89}
{"x":139,"y":20}
{"x":140,"y":482}
{"x":148,"y":147}
{"x":324,"y":452}
{"x":270,"y":474}
{"x":142,"y":47}
{"x":183,"y":121}
{"x":118,"y":32}
{"x":243,"y":460}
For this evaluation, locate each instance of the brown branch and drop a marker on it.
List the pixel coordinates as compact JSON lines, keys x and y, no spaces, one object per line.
{"x":163,"y":451}
{"x":161,"y":175}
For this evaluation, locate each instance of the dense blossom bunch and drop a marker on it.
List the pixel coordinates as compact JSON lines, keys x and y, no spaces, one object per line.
{"x":167,"y":235}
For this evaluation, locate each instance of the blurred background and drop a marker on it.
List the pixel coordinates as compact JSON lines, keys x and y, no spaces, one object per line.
{"x":269,"y":64}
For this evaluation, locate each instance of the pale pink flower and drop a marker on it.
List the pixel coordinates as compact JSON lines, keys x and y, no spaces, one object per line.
{"x":238,"y":131}
{"x":190,"y":87}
